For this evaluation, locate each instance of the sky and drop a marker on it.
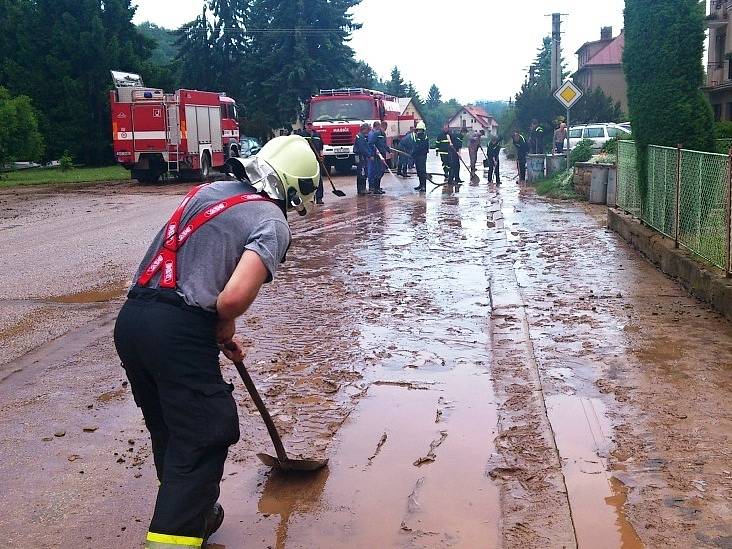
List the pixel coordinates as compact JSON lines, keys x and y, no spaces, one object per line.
{"x":472,"y":49}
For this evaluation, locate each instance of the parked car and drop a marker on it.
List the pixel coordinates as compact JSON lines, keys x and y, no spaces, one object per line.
{"x":249,"y":146}
{"x":598,"y":133}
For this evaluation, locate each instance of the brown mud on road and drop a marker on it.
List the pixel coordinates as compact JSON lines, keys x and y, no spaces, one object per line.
{"x":483,"y":369}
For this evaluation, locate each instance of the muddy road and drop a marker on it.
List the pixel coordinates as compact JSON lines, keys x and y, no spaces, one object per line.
{"x":484,"y":369}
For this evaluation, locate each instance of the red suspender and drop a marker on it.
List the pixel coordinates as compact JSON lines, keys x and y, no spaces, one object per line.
{"x":165,"y":259}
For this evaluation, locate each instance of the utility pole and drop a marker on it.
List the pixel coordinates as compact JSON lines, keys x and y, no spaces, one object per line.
{"x":556,"y":51}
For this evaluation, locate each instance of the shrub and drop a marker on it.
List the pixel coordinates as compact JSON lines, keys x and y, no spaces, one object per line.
{"x":582,"y":152}
{"x":611,"y":146}
{"x":723,"y":130}
{"x":66,"y":162}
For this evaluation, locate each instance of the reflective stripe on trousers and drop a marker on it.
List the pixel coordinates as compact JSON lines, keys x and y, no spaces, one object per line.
{"x":167,"y":541}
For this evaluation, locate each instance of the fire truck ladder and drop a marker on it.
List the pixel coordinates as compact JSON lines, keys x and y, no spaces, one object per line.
{"x":172,"y":135}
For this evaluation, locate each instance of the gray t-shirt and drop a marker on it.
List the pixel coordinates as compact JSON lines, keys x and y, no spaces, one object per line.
{"x":208,"y":258}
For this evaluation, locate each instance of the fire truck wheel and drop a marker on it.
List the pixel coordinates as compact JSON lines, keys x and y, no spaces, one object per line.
{"x":205,"y":166}
{"x":146,"y":177}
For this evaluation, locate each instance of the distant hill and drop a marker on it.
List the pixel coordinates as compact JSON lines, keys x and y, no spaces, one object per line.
{"x":165,"y":51}
{"x":494,"y":108}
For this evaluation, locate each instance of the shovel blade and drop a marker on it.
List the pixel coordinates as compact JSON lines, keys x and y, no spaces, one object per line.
{"x":292,"y":464}
{"x":338,"y":193}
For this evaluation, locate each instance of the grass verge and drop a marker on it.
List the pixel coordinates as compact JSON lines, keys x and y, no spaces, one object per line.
{"x":53,"y":176}
{"x":559,"y":186}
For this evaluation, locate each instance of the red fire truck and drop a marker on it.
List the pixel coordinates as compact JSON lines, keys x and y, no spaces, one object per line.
{"x":186,"y":133}
{"x":338,"y":114}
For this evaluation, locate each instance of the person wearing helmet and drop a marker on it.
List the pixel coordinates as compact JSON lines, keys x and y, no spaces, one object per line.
{"x":203,"y":269}
{"x":419,"y":152}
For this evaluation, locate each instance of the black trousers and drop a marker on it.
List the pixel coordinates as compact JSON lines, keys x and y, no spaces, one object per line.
{"x":445,"y":159}
{"x":455,"y":166}
{"x":169,"y":352}
{"x":361,"y":174}
{"x":420,"y":162}
{"x":522,"y":167}
{"x":494,"y":167}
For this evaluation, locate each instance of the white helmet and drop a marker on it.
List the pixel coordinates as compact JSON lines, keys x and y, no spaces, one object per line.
{"x":284,"y":169}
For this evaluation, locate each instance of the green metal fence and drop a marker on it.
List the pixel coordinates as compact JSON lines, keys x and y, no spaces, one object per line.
{"x":688,"y":198}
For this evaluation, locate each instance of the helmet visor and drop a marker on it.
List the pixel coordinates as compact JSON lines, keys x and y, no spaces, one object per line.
{"x":264,"y":178}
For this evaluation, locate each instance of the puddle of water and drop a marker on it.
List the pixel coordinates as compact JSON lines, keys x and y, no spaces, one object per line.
{"x":98,"y":295}
{"x":386,"y":501}
{"x":581,"y":429}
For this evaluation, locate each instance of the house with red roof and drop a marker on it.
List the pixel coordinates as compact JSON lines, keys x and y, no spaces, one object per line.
{"x":601,"y":66}
{"x":473,"y":117}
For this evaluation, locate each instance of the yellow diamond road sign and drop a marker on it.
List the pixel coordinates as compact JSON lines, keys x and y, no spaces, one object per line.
{"x":568,"y":94}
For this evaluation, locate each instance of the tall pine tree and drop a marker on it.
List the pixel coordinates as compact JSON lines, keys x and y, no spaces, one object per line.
{"x":296,"y":47}
{"x":434,"y":97}
{"x":395,"y":86}
{"x":664,"y":47}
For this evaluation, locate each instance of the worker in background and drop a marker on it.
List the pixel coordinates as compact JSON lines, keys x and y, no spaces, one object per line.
{"x":189,"y":289}
{"x":383,"y":153}
{"x":419,"y":154}
{"x":522,"y":150}
{"x":456,"y":139}
{"x":536,"y":137}
{"x":361,"y":150}
{"x":560,"y":138}
{"x":473,"y":146}
{"x":492,"y":161}
{"x":406,"y":145}
{"x":442,"y":149}
{"x":316,"y":143}
{"x":376,"y":165}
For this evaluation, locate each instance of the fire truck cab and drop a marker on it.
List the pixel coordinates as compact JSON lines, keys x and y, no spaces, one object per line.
{"x":186,"y":133}
{"x":338,"y":114}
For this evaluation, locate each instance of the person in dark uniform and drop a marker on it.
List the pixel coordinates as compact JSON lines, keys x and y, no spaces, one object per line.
{"x":202,"y":271}
{"x":442,"y":149}
{"x":419,"y":152}
{"x":316,"y":142}
{"x":383,"y":150}
{"x":376,"y":166}
{"x":457,"y":144}
{"x":361,"y":150}
{"x":493,"y":152}
{"x":522,"y":150}
{"x":536,"y":137}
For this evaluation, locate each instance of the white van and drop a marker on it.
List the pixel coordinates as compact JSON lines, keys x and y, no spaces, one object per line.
{"x":598,"y":133}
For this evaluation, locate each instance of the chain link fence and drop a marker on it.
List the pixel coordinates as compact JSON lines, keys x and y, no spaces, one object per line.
{"x":699,"y":182}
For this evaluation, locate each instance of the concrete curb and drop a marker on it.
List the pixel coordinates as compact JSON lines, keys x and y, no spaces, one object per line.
{"x":703,"y":281}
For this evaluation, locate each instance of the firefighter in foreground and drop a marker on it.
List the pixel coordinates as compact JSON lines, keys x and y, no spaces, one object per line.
{"x":202,"y":271}
{"x":363,"y":157}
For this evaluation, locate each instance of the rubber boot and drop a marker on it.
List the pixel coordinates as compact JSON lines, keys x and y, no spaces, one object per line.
{"x":213,"y":521}
{"x":360,"y":186}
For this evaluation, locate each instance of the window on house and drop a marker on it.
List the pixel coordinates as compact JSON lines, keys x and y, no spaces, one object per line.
{"x":729,"y":112}
{"x":729,"y":69}
{"x":717,"y":112}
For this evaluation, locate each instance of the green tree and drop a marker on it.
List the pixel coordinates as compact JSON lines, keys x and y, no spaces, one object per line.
{"x":434,"y":97}
{"x":195,"y":52}
{"x":411,"y":91}
{"x":364,"y":76}
{"x":19,"y":135}
{"x":535,"y":100}
{"x":395,"y":85}
{"x":664,"y":46}
{"x":59,"y":55}
{"x":305,"y":48}
{"x":595,"y":106}
{"x":165,"y":50}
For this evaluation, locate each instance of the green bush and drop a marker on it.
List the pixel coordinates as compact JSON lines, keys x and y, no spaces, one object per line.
{"x":723,"y":130}
{"x":66,"y":162}
{"x":611,"y":146}
{"x":582,"y":152}
{"x":560,"y":186}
